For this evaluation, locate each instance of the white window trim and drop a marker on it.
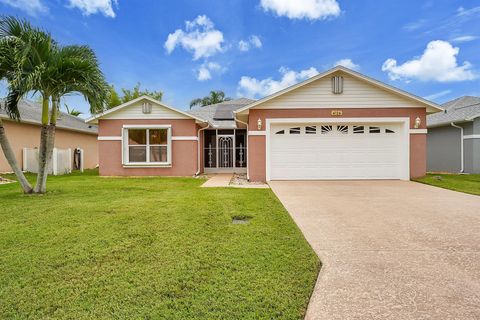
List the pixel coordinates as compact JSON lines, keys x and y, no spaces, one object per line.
{"x":185,"y":138}
{"x":109,"y":138}
{"x":418,"y":131}
{"x":125,"y":160}
{"x":404,"y":121}
{"x":257,"y":133}
{"x":471,"y":136}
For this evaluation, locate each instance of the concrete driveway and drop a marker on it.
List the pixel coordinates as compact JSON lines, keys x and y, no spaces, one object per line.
{"x":390,"y":249}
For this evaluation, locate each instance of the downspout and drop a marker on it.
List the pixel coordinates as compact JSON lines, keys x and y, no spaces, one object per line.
{"x":198,"y":149}
{"x":461,"y":146}
{"x":248,"y":151}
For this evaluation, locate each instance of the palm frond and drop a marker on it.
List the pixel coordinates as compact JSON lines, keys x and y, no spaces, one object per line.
{"x":195,"y":102}
{"x":11,"y":104}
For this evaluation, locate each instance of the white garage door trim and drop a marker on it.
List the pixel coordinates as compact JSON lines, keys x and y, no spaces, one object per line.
{"x":404,"y":121}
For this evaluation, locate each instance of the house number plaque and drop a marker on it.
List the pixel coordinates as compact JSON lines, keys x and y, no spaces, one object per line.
{"x":336,"y":112}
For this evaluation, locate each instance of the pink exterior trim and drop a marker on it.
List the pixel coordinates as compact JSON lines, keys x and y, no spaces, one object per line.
{"x":112,"y":127}
{"x":255,"y":114}
{"x":184,"y":153}
{"x":257,"y":157}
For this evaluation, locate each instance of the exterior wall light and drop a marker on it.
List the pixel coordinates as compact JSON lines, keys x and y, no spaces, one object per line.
{"x":259,"y":124}
{"x":418,"y":122}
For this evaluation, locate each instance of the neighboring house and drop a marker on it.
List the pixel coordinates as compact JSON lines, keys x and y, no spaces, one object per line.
{"x":454,"y":137}
{"x":72,"y":132}
{"x":337,"y":125}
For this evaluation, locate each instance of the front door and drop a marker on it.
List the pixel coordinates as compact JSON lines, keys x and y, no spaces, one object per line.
{"x":225,"y":151}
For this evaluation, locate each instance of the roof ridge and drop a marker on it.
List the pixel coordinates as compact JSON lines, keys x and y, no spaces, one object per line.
{"x":454,"y":101}
{"x":467,"y":106}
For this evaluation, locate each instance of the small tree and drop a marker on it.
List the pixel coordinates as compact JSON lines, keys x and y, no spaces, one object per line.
{"x":113,"y":97}
{"x":130,"y":94}
{"x":213,"y":98}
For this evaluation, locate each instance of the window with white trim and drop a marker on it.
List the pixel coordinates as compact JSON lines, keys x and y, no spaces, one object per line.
{"x":147,"y":146}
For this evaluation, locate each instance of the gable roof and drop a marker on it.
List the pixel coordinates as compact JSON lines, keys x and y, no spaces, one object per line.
{"x":31,"y":113}
{"x":431,"y":106}
{"x":209,"y":112}
{"x":95,"y":118}
{"x":461,"y":109}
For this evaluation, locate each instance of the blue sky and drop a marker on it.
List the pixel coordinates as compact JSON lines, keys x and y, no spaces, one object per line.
{"x":255,"y":47}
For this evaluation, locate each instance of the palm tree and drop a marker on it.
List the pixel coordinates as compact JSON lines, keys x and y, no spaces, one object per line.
{"x":14,"y":37}
{"x":41,"y":65}
{"x":213,"y":98}
{"x":73,"y":112}
{"x":73,"y":69}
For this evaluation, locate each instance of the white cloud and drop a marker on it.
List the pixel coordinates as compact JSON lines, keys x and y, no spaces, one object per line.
{"x":253,"y":41}
{"x":438,"y":95}
{"x":204,"y":74}
{"x":466,"y":38}
{"x":302,"y":9}
{"x":31,"y":7}
{"x":254,"y":88}
{"x":89,"y":7}
{"x":348,"y":63}
{"x":438,"y":63}
{"x":243,"y":45}
{"x":199,"y":37}
{"x":412,"y":26}
{"x":205,"y":71}
{"x":461,"y":12}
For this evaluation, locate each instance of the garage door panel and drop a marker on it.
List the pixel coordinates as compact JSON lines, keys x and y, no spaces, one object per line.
{"x":335,"y":152}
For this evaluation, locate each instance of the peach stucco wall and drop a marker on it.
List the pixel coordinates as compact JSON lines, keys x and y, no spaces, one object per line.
{"x":256,"y":144}
{"x":22,"y":135}
{"x":256,"y":158}
{"x":418,"y":155}
{"x":184,"y":153}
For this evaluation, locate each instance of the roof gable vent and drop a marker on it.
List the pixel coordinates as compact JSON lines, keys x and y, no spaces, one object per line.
{"x":147,"y":107}
{"x":337,"y":84}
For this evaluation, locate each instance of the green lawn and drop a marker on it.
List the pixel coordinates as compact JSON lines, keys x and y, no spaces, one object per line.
{"x":468,"y":183}
{"x":150,"y":248}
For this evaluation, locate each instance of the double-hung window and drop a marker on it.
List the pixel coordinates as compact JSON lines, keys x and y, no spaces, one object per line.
{"x":147,"y":145}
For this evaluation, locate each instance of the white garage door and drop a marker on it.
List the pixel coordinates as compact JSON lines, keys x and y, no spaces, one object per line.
{"x":337,"y":151}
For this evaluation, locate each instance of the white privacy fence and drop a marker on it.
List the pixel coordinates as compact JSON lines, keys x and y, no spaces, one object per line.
{"x":61,"y":162}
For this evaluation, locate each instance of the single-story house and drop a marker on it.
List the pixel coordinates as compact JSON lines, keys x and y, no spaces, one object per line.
{"x":454,"y":137}
{"x":71,"y":133}
{"x":339,"y":124}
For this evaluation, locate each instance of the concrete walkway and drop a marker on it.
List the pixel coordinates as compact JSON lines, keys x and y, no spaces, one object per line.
{"x":390,"y":249}
{"x":224,"y":179}
{"x":218,"y":180}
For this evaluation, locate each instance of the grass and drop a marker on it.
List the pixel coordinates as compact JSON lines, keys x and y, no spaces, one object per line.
{"x":150,"y":248}
{"x":468,"y":183}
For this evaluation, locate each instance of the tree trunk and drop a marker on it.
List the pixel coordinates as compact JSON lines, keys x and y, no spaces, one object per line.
{"x":44,"y":155}
{"x":48,"y":140}
{"x":12,"y":161}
